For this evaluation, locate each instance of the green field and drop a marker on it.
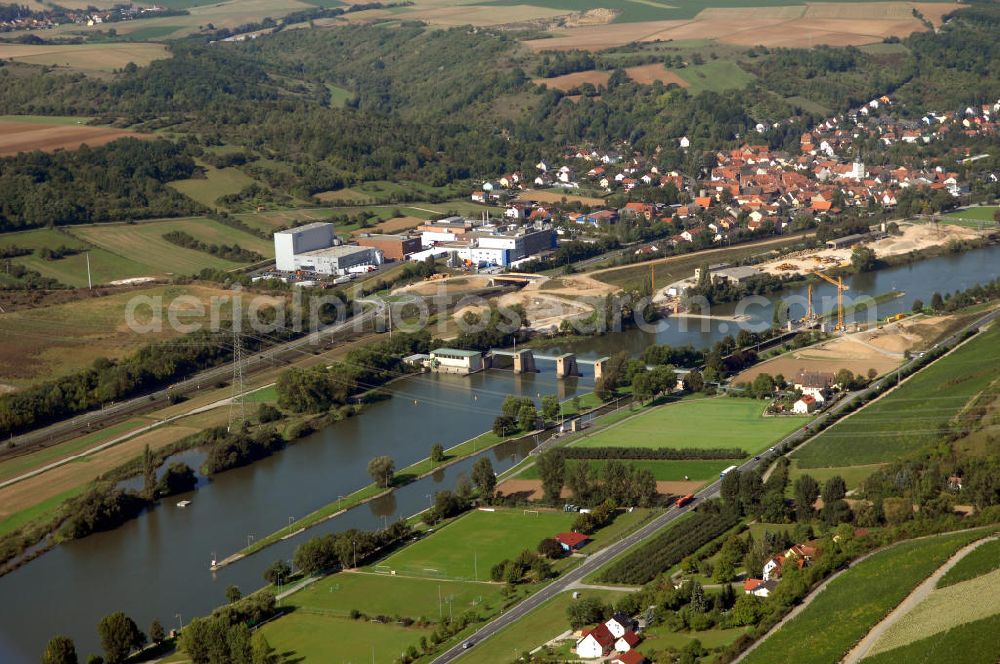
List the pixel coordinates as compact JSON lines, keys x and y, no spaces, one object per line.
{"x":971,"y":643}
{"x":47,"y":119}
{"x":668,"y":471}
{"x":853,"y":603}
{"x":540,"y":625}
{"x":977,"y":214}
{"x":716,"y":75}
{"x":913,"y":416}
{"x":339,"y":96}
{"x":982,"y":560}
{"x":311,"y":637}
{"x":704,"y":423}
{"x":217,"y":182}
{"x":380,"y":594}
{"x":144,"y":244}
{"x":476,"y":541}
{"x":105,"y":266}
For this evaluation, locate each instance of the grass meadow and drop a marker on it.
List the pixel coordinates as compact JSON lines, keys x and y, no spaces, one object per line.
{"x":314,"y":637}
{"x":914,"y":415}
{"x":704,"y":423}
{"x":381,"y":594}
{"x":469,"y":546}
{"x":715,"y":75}
{"x":217,"y":182}
{"x":853,"y":603}
{"x":71,"y":270}
{"x":537,"y":627}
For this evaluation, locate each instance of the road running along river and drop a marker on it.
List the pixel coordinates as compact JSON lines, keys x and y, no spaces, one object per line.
{"x":156,"y":566}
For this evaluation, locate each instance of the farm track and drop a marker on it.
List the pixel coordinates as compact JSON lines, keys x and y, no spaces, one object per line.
{"x":918,"y":595}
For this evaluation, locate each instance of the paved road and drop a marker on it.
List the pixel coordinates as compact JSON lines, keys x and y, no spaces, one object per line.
{"x":598,"y":559}
{"x":208,"y":378}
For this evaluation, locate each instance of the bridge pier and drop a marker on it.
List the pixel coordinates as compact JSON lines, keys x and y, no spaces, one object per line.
{"x":600,"y":366}
{"x":524,"y":362}
{"x":566,"y":366}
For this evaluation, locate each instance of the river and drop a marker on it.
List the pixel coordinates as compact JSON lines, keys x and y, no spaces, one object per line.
{"x":157,"y":566}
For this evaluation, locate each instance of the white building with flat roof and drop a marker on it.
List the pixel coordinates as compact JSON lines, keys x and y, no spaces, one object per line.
{"x":455,"y":360}
{"x":294,"y":241}
{"x":315,"y":247}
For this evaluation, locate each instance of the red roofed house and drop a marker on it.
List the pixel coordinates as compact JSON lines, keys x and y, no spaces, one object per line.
{"x":596,"y":642}
{"x":805,"y":405}
{"x":627,"y":641}
{"x":759,"y":588}
{"x":630,"y":657}
{"x":572,"y":541}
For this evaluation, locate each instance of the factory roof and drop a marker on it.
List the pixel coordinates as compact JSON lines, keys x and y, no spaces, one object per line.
{"x":337,"y":250}
{"x":455,"y":351}
{"x":306,"y":227}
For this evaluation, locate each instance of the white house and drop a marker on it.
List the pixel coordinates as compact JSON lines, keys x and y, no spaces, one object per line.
{"x":805,"y":405}
{"x":596,"y":642}
{"x":759,"y":587}
{"x":627,"y":641}
{"x":619,"y":624}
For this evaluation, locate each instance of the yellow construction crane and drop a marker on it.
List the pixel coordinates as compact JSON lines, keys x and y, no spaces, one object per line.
{"x":839,"y":283}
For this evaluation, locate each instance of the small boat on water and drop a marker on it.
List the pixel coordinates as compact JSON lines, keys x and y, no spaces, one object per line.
{"x":184,"y":503}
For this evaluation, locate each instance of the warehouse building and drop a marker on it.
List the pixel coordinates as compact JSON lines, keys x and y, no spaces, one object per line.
{"x":456,"y":361}
{"x":315,"y":248}
{"x":393,"y":247}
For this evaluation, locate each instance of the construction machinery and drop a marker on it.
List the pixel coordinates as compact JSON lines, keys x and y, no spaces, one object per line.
{"x":839,"y":283}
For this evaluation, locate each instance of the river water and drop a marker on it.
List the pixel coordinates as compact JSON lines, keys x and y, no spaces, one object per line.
{"x":157,"y":566}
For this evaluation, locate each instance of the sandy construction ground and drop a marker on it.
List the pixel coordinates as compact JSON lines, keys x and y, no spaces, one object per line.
{"x":835,"y":24}
{"x":452,"y":286}
{"x":556,"y":196}
{"x":879,"y":349}
{"x":18,"y":137}
{"x":915,"y":237}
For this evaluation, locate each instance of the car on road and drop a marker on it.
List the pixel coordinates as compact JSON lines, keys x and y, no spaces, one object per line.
{"x":757,"y":458}
{"x":468,"y":644}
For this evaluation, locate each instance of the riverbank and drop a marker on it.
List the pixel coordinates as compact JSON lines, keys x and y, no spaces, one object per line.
{"x":412,"y":473}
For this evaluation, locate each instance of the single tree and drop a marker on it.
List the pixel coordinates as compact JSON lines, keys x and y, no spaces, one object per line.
{"x":437,"y":453}
{"x":806,"y":493}
{"x":937,"y":302}
{"x":550,"y":407}
{"x":484,"y":478}
{"x":730,"y":488}
{"x":834,"y":489}
{"x":60,"y":650}
{"x":550,"y":548}
{"x":918,"y":306}
{"x":119,"y":637}
{"x":382,"y":469}
{"x":277,"y":572}
{"x":233,"y":594}
{"x":156,"y":632}
{"x":148,"y":474}
{"x":552,"y":468}
{"x":527,"y":416}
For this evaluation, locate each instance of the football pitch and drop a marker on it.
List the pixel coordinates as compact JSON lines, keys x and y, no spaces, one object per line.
{"x":701,"y":423}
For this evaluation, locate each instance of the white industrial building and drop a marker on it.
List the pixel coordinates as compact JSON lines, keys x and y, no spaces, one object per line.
{"x":454,"y":360}
{"x":315,"y":247}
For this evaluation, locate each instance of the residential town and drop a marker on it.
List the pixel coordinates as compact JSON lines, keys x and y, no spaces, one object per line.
{"x":754,"y":188}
